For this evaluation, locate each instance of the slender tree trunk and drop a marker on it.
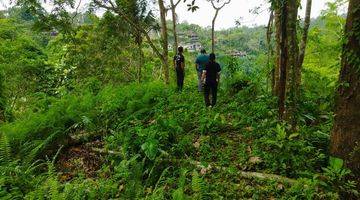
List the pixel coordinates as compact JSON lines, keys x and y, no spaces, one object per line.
{"x":217,"y":9}
{"x":164,"y":40}
{"x":283,"y":59}
{"x":174,"y":20}
{"x":141,"y":61}
{"x":278,"y":56}
{"x":270,"y":52}
{"x":345,"y":138}
{"x":293,"y":62}
{"x":303,"y":42}
{"x":213,"y":31}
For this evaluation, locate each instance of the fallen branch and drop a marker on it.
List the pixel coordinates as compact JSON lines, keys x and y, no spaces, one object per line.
{"x":104,"y":151}
{"x":263,"y":176}
{"x":245,"y":174}
{"x":204,"y":169}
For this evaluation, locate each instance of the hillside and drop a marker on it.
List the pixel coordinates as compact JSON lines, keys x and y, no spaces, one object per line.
{"x":136,"y":141}
{"x":93,"y":107}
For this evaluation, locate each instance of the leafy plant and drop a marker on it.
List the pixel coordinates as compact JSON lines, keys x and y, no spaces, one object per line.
{"x":336,"y":177}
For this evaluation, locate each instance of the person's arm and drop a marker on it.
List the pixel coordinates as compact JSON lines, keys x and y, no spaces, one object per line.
{"x":174,"y":62}
{"x":197,"y":64}
{"x":203,"y":76}
{"x":218,"y":74}
{"x":183,"y":63}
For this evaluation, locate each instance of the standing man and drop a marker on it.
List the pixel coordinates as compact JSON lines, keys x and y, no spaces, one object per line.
{"x":210,"y":78}
{"x":200,"y":64}
{"x":179,"y":65}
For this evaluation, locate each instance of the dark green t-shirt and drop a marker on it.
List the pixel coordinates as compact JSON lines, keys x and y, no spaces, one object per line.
{"x":202,"y":60}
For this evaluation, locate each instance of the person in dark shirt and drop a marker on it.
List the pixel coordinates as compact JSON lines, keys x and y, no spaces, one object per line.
{"x":210,"y":79}
{"x":201,"y":62}
{"x":179,"y":65}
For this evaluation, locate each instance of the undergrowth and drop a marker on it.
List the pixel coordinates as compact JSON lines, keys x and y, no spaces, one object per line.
{"x":162,"y":144}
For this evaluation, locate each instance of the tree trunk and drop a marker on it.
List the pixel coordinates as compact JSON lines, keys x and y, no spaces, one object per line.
{"x":303,"y":47}
{"x":283,"y":59}
{"x":164,"y":40}
{"x":141,"y":61}
{"x":303,"y":42}
{"x":270,"y":52}
{"x":345,"y":138}
{"x":293,"y":62}
{"x":213,"y":31}
{"x":174,"y":20}
{"x":277,"y":61}
{"x":217,"y":9}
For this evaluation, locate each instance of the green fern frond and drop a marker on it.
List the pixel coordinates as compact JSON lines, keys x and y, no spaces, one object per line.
{"x":197,"y":185}
{"x":196,"y":182}
{"x":179,"y":194}
{"x":42,"y":145}
{"x":54,"y":188}
{"x":5,"y":149}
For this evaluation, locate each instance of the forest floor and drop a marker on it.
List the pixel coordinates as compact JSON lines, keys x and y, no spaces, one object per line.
{"x":237,"y":148}
{"x":148,"y":141}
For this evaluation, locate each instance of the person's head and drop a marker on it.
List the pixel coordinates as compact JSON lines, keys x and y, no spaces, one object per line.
{"x":203,"y":51}
{"x":212,"y":57}
{"x":180,"y":49}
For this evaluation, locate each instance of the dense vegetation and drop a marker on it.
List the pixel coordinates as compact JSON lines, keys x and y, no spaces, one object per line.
{"x":85,"y":113}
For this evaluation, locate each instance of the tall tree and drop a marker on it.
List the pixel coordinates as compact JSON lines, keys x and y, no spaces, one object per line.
{"x":164,"y":40}
{"x":114,"y":7}
{"x":290,"y":56}
{"x":293,"y":44}
{"x":138,"y":11}
{"x":345,"y":138}
{"x":298,"y":51}
{"x":174,"y":22}
{"x":276,"y":70}
{"x":283,"y":56}
{"x":304,"y":37}
{"x":269,"y":32}
{"x":217,"y":5}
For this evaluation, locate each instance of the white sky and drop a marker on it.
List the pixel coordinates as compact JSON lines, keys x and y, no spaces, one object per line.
{"x":236,"y":10}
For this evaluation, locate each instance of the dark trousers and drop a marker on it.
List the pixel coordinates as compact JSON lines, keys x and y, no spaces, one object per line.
{"x":210,"y":88}
{"x":180,"y":78}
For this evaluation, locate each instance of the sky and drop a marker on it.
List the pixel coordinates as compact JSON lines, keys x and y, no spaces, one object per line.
{"x":236,"y":10}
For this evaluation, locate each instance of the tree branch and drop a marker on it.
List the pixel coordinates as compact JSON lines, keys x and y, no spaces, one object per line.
{"x":219,"y":8}
{"x":177,"y":3}
{"x":128,"y":20}
{"x":305,"y":33}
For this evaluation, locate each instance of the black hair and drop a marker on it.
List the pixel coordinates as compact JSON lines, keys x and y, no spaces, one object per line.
{"x":180,"y":49}
{"x":212,"y":57}
{"x":203,"y":51}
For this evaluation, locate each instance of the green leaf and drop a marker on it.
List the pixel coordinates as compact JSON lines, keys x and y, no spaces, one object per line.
{"x":294,"y":135}
{"x":281,"y":133}
{"x":336,"y":163}
{"x":150,"y":147}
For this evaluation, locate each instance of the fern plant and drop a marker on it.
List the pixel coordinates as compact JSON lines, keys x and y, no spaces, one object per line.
{"x":197,"y":185}
{"x":5,"y":149}
{"x":179,"y":194}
